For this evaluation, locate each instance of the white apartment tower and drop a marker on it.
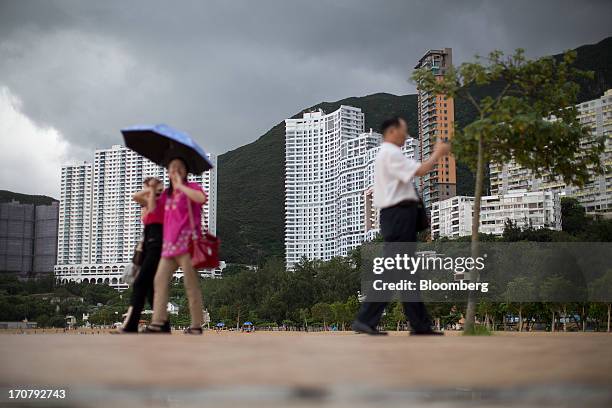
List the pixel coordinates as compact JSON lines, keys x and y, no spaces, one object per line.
{"x":99,"y":223}
{"x":596,"y":196}
{"x":356,"y":175}
{"x":452,"y":218}
{"x":329,"y":175}
{"x":74,"y":226}
{"x":312,"y":168}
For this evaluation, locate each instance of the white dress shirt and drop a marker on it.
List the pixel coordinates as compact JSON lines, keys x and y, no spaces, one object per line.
{"x":393,"y":177}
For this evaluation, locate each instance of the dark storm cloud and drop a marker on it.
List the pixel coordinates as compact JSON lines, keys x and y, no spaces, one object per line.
{"x":226,"y":71}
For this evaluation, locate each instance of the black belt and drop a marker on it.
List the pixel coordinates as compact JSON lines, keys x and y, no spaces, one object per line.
{"x":404,"y":204}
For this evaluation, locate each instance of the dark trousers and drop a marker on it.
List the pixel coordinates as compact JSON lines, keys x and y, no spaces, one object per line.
{"x":143,"y":284}
{"x":398,"y":224}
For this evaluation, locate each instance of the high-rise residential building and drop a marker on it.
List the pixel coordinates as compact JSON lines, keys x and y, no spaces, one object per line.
{"x":436,"y":118}
{"x":452,"y":217}
{"x":312,"y":167}
{"x":596,"y":196}
{"x":75,"y":214}
{"x":100,"y":224}
{"x":28,"y":237}
{"x":329,"y":175}
{"x":356,"y":175}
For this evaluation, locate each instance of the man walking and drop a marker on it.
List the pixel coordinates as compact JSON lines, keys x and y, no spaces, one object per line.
{"x":396,"y":197}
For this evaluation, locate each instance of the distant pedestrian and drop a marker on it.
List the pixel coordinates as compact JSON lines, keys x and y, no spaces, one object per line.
{"x":396,"y":197}
{"x":152,"y":201}
{"x":182,"y":219}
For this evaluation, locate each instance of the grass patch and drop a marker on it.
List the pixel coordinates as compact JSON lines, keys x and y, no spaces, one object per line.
{"x":478,"y":330}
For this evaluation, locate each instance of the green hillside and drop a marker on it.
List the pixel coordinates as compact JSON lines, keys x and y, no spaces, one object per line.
{"x":251,"y":178}
{"x":8,"y":196}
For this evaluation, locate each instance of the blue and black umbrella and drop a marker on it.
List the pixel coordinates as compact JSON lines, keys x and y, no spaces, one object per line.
{"x":220,"y":324}
{"x":161,"y":143}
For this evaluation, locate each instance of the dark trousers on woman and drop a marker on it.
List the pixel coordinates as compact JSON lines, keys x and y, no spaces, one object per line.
{"x":143,"y":284}
{"x":398,"y":225}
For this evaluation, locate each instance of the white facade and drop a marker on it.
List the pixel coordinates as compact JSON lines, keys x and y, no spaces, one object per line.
{"x":112,"y":274}
{"x":357,"y":157}
{"x":329,"y":172}
{"x":452,"y":218}
{"x":596,"y":196}
{"x":312,"y":168}
{"x":99,"y":223}
{"x":74,"y":225}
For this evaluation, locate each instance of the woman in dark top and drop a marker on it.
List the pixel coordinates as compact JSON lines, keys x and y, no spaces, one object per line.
{"x":153,"y":203}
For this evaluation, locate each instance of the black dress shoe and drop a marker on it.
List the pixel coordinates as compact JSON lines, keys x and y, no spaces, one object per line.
{"x":360,"y":327}
{"x":426,"y":333}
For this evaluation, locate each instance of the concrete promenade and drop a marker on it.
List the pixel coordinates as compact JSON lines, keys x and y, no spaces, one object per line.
{"x":323,"y":369}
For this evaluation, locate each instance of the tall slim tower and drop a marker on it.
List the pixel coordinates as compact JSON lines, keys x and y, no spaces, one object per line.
{"x":329,"y":173}
{"x":436,"y":115}
{"x":312,"y":167}
{"x":74,"y":227}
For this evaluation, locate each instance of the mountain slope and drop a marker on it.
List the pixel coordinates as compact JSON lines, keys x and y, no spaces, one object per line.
{"x":8,"y":196}
{"x":251,"y":201}
{"x":251,"y":192}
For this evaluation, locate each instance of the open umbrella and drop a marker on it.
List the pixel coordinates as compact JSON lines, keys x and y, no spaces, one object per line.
{"x":248,"y":323}
{"x":160,"y":143}
{"x":220,"y":324}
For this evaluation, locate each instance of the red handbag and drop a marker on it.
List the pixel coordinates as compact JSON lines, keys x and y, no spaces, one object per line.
{"x":205,"y":249}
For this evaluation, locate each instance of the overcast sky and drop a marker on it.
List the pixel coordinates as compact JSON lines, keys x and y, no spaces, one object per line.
{"x":72,"y":73}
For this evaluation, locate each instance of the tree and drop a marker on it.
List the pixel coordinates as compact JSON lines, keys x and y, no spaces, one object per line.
{"x":519,"y":291}
{"x":304,"y":316}
{"x":601,"y":291}
{"x":558,"y":291}
{"x":340,"y":315}
{"x":322,"y":312}
{"x":573,"y":217}
{"x":397,"y":314}
{"x":531,"y":119}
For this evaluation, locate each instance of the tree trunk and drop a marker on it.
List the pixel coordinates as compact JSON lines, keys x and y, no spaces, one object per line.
{"x":520,"y":328}
{"x":564,"y":318}
{"x":583,"y":319}
{"x":475,"y":247}
{"x":609,"y":309}
{"x":552,"y":324}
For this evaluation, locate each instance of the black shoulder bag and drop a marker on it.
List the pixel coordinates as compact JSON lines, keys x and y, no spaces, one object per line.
{"x":422,"y":218}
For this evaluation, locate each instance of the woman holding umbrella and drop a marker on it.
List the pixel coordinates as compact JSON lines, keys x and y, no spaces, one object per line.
{"x":182,"y":216}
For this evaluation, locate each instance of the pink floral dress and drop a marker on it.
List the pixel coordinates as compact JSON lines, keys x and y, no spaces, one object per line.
{"x":177,"y":228}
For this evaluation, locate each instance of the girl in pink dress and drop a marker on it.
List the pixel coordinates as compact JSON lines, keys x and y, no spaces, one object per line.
{"x":176,"y":248}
